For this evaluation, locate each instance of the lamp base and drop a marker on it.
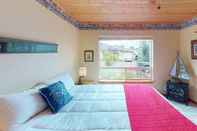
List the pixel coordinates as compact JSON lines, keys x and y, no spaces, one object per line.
{"x":80,"y":80}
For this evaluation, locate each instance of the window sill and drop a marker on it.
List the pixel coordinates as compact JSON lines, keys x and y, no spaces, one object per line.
{"x":126,"y":81}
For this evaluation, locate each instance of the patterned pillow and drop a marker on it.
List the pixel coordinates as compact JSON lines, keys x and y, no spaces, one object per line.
{"x":56,"y":96}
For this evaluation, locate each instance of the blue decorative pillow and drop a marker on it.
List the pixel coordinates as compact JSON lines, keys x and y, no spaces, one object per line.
{"x":56,"y":96}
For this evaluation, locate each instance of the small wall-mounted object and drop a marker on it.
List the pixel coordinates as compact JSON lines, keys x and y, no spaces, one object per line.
{"x":89,"y":56}
{"x":194,"y":49}
{"x":10,"y":45}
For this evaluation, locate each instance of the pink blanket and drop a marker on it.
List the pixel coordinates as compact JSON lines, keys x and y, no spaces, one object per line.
{"x":148,"y":111}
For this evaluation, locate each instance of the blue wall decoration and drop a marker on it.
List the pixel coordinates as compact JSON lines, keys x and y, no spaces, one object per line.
{"x":10,"y":45}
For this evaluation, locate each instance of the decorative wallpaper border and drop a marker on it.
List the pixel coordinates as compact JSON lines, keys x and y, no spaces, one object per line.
{"x":129,"y":26}
{"x":50,"y":5}
{"x":189,"y":23}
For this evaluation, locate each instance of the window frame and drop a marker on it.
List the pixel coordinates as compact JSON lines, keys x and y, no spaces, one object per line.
{"x":151,"y":80}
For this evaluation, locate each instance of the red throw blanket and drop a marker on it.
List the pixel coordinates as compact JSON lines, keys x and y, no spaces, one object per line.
{"x":148,"y":111}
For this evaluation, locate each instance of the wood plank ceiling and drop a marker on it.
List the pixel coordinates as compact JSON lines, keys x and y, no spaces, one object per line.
{"x":129,"y":11}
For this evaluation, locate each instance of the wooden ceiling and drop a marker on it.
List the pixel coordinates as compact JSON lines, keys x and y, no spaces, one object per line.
{"x":129,"y":11}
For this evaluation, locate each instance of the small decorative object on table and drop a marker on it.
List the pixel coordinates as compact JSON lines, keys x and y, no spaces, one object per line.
{"x":178,"y":87}
{"x":82,"y":74}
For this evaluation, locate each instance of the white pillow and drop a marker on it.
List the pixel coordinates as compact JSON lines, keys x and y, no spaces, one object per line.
{"x":39,"y":86}
{"x":20,"y":107}
{"x":65,"y":78}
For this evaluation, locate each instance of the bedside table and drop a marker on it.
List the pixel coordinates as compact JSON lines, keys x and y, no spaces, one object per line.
{"x":86,"y":82}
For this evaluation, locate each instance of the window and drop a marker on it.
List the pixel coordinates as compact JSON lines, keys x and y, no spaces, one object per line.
{"x":125,"y":60}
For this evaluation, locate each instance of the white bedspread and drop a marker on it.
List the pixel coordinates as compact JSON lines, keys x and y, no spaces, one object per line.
{"x":94,"y":108}
{"x":107,"y":88}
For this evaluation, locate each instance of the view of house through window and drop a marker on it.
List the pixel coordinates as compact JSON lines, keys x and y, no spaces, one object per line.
{"x":122,"y":60}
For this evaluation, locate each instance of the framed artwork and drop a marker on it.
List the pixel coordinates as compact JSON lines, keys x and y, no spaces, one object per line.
{"x":89,"y":56}
{"x":194,"y":49}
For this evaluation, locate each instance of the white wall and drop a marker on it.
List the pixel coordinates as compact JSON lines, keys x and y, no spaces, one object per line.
{"x":166,"y":45}
{"x":186,"y":36}
{"x":27,"y":19}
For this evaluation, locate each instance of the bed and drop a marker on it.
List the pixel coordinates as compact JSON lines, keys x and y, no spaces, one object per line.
{"x":99,"y":107}
{"x":94,"y":108}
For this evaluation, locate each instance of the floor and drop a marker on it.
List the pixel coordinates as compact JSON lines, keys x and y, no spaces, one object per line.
{"x":189,"y":111}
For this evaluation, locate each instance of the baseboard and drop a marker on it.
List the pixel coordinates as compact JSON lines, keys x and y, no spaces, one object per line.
{"x":193,"y":101}
{"x":190,"y":100}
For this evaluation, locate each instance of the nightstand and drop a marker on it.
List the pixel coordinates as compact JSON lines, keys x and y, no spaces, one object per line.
{"x":86,"y":82}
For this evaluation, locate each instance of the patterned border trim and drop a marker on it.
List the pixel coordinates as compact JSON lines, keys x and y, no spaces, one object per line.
{"x":50,"y":5}
{"x":129,"y":26}
{"x":189,"y":23}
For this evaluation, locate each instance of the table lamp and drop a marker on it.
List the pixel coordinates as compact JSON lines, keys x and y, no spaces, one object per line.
{"x":82,"y":73}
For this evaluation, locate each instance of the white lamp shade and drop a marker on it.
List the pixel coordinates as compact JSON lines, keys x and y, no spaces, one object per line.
{"x":83,"y":71}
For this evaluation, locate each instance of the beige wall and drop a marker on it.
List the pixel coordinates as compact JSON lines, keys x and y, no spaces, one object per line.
{"x":27,"y":19}
{"x":186,"y":36}
{"x":166,"y":44}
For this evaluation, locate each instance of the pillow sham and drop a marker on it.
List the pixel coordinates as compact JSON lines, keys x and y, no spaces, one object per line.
{"x":20,"y":107}
{"x":56,"y":96}
{"x":65,"y":78}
